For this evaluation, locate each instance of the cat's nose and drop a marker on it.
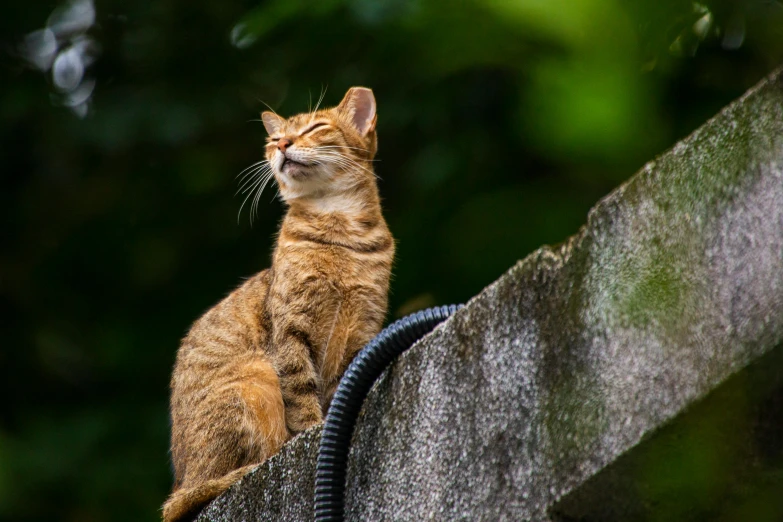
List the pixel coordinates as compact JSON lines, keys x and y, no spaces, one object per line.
{"x":283,"y":143}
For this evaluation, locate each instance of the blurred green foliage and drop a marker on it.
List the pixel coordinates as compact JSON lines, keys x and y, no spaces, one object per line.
{"x":501,"y":122}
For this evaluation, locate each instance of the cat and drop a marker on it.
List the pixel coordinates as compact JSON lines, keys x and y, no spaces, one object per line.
{"x":263,"y":364}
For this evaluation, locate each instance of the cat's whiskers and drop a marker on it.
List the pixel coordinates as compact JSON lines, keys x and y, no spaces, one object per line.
{"x":253,"y":182}
{"x":334,"y":151}
{"x":252,"y":166}
{"x":254,"y":207}
{"x":257,"y":173}
{"x":245,"y":201}
{"x":342,"y":160}
{"x":239,"y":214}
{"x":326,"y":150}
{"x":338,"y":147}
{"x":268,"y":107}
{"x":310,"y":157}
{"x":250,"y":176}
{"x":318,"y":104}
{"x":345,"y":164}
{"x":254,"y":185}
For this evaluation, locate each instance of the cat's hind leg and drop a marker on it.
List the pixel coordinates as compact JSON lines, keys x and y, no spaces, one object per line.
{"x":241,"y":422}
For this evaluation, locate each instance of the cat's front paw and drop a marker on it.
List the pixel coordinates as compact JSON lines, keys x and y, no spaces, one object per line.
{"x":304,"y":417}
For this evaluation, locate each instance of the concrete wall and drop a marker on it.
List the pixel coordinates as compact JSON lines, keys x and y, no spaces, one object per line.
{"x":632,"y":373}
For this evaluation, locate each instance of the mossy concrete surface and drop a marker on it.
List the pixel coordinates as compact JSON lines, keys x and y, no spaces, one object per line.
{"x":640,"y":353}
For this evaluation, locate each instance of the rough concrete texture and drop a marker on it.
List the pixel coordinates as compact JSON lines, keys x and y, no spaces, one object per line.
{"x":527,"y":397}
{"x":282,"y":488}
{"x":720,"y":460}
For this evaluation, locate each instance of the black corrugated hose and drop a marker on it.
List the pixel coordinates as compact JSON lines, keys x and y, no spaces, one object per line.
{"x":348,"y":399}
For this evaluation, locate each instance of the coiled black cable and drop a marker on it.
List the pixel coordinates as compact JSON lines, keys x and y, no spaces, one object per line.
{"x":351,"y":392}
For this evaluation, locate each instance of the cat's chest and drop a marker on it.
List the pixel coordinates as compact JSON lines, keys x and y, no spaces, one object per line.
{"x":328,"y":266}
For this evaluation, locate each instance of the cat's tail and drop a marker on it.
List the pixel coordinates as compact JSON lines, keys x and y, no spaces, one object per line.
{"x":185,"y":503}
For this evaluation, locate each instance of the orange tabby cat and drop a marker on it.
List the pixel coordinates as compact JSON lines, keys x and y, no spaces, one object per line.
{"x":263,"y":364}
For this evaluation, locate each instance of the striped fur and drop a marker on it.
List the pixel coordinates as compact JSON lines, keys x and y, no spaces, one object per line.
{"x":263,"y":364}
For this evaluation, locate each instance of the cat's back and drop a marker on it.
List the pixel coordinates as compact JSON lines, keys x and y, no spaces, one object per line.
{"x":233,"y":328}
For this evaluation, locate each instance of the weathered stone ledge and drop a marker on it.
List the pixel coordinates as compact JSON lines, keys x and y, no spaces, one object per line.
{"x":561,"y":390}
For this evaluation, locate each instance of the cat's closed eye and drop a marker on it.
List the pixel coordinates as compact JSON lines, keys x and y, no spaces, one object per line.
{"x":312,"y":127}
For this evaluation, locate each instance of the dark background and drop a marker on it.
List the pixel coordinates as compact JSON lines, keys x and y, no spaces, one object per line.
{"x":500,"y":124}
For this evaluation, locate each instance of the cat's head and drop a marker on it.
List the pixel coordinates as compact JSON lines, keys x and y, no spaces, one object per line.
{"x":323,"y":152}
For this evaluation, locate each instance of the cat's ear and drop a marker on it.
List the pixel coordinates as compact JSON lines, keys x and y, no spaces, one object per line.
{"x":272,"y":122}
{"x":359,"y":105}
